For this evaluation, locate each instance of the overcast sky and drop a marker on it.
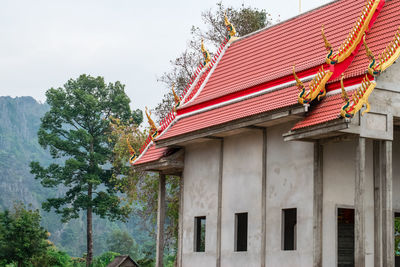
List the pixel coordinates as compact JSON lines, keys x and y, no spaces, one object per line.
{"x":43,"y":43}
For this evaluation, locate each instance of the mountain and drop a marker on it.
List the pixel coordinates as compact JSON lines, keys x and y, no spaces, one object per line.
{"x":19,"y":123}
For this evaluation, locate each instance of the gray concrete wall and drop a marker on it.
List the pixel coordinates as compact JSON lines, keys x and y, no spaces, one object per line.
{"x":339,"y":188}
{"x":200,"y":199}
{"x":396,"y":171}
{"x":241,"y":192}
{"x":289,"y":185}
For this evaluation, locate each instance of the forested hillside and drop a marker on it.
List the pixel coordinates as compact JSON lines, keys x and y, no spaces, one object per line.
{"x":19,"y":123}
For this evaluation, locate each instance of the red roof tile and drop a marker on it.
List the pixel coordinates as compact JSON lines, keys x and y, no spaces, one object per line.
{"x":271,"y":53}
{"x":256,"y":105}
{"x":152,"y":154}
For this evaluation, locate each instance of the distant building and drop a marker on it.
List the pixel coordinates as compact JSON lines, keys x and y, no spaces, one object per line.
{"x":284,"y":167}
{"x":123,"y":261}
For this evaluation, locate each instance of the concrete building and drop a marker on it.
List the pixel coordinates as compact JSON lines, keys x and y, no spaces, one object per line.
{"x":282,"y":168}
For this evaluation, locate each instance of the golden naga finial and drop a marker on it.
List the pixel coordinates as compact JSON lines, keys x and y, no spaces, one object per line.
{"x":132,"y":151}
{"x":299,"y":83}
{"x":372,"y":68}
{"x":153,"y":128}
{"x":345,"y":97}
{"x":356,"y":34}
{"x":206,"y":55}
{"x":328,"y":45}
{"x":359,"y":99}
{"x":387,"y":57}
{"x":230,"y":29}
{"x":176,"y":98}
{"x":316,"y":86}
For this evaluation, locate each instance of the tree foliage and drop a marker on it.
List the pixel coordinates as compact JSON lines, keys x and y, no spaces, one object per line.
{"x":21,"y":236}
{"x":76,"y":131}
{"x":245,"y":19}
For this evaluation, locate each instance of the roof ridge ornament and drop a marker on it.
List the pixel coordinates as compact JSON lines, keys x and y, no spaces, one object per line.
{"x":132,"y":151}
{"x":345,"y":96}
{"x":206,"y":55}
{"x":316,"y":86}
{"x":386,"y":58}
{"x":355,"y":36}
{"x":359,"y":99}
{"x":153,"y":128}
{"x":230,"y":28}
{"x":177,"y":99}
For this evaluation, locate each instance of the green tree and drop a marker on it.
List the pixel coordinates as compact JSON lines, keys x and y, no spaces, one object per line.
{"x":397,"y":236}
{"x":121,"y":242}
{"x":21,"y":236}
{"x":76,"y":131}
{"x":245,"y":20}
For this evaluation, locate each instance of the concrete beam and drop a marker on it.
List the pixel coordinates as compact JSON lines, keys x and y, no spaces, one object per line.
{"x":387,"y":205}
{"x":318,"y":204}
{"x":359,"y":214}
{"x":160,"y":221}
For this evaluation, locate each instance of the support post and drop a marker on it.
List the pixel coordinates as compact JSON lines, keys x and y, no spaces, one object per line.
{"x":387,"y":206}
{"x":219,"y":215}
{"x":318,"y":204}
{"x":264,"y":200}
{"x":180,"y":227}
{"x":160,"y":221}
{"x":359,"y":215}
{"x":377,"y":154}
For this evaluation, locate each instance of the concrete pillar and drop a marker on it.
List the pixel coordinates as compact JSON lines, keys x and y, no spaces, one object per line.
{"x":318,"y":204}
{"x":160,"y":221}
{"x":377,"y":155}
{"x":387,"y":205}
{"x":264,"y":200}
{"x":219,"y":215}
{"x":180,"y":226}
{"x":359,"y":206}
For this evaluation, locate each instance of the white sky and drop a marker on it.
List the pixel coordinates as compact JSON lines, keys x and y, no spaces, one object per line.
{"x":43,"y":43}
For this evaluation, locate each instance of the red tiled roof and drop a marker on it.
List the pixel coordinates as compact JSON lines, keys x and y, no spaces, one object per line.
{"x":271,"y":53}
{"x":378,"y":38}
{"x":256,"y":105}
{"x":152,"y":154}
{"x":328,"y":110}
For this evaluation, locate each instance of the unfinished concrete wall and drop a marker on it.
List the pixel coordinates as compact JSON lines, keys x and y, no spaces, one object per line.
{"x":338,"y":192}
{"x":289,"y":185}
{"x":241,"y":192}
{"x":200,"y":199}
{"x":396,"y":171}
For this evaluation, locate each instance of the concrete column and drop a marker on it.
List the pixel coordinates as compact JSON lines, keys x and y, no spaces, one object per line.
{"x":160,"y":221}
{"x":264,"y":200}
{"x":387,"y":205}
{"x":219,"y":216}
{"x":318,"y":204}
{"x":377,"y":155}
{"x":359,"y":211}
{"x":180,"y":226}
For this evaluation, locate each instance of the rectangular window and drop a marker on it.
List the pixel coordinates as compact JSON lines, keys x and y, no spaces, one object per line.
{"x":241,"y":231}
{"x":345,"y":241}
{"x":289,"y":229}
{"x":200,"y":234}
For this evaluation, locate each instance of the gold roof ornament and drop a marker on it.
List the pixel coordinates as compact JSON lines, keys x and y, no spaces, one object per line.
{"x":355,"y":36}
{"x":387,"y":58}
{"x":153,"y":128}
{"x":316,"y":86}
{"x":206,"y":55}
{"x":345,"y":97}
{"x":132,"y":151}
{"x":176,"y":98}
{"x":230,"y":28}
{"x":359,"y":99}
